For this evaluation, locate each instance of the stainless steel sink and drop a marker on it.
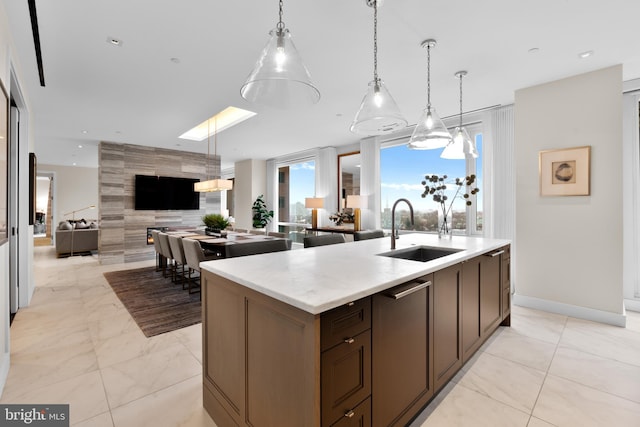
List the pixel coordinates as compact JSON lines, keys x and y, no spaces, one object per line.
{"x":420,"y":253}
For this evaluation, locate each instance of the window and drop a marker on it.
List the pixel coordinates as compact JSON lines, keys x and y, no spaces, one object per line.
{"x":402,"y":171}
{"x":296,"y":181}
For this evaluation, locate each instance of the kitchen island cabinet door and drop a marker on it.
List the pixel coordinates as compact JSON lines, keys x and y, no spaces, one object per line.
{"x":447,"y":334}
{"x":471,"y":330}
{"x":401,"y":358}
{"x":490,"y":292}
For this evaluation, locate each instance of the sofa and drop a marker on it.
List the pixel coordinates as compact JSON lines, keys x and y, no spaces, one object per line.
{"x":83,"y":237}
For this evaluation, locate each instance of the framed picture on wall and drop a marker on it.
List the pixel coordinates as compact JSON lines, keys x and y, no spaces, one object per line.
{"x":565,"y":172}
{"x":4,"y":164}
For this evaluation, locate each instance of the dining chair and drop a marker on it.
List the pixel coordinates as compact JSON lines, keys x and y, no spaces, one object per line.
{"x":177,"y":250}
{"x":323,"y":239}
{"x":259,"y":232}
{"x":257,"y":247}
{"x":160,"y":261}
{"x":194,"y":255}
{"x":276,"y":234}
{"x":367,"y":234}
{"x":240,"y":230}
{"x":166,"y":253}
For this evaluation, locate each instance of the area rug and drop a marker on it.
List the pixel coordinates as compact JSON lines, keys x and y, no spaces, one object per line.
{"x":156,"y":303}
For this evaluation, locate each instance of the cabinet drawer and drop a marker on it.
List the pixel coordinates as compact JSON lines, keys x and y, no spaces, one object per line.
{"x":344,"y":322}
{"x":345,"y":377}
{"x":360,"y":416}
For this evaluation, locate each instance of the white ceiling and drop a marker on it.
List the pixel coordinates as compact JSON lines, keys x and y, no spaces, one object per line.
{"x":135,"y":94}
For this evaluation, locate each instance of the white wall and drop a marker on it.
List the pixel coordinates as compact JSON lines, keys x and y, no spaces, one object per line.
{"x":569,"y":249}
{"x":250,"y":182}
{"x":25,"y":231}
{"x":74,"y":188}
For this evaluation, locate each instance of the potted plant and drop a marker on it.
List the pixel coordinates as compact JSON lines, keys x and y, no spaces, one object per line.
{"x":261,"y":215}
{"x":215,"y":223}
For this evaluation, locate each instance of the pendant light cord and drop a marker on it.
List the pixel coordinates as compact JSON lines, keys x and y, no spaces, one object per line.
{"x":208,"y":147}
{"x":280,"y":24}
{"x":428,"y":77}
{"x":375,"y":42}
{"x":461,"y":100}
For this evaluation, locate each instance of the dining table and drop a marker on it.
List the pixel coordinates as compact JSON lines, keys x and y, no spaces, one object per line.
{"x":217,"y":242}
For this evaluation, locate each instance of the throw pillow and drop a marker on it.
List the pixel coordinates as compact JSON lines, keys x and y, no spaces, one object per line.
{"x":65,"y":225}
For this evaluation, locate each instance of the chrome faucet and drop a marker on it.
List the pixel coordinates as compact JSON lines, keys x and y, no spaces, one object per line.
{"x":393,"y":220}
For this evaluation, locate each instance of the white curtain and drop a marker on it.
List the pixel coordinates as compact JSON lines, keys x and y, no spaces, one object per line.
{"x":327,"y":183}
{"x":271,"y":196}
{"x":370,"y":182}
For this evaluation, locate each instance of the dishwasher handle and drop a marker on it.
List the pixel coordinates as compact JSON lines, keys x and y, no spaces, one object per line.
{"x":408,"y":288}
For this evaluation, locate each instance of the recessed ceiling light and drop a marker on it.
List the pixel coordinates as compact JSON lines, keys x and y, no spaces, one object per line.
{"x":534,"y":50}
{"x":226,"y":118}
{"x":85,"y":131}
{"x":175,"y":60}
{"x":586,"y":54}
{"x":118,"y":132}
{"x":74,"y":163}
{"x":79,"y":145}
{"x":114,"y":41}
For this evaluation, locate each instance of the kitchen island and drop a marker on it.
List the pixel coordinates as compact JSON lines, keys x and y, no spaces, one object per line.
{"x":346,"y":335}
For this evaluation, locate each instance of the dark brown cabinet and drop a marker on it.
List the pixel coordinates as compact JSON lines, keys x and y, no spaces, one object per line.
{"x":447,"y":334}
{"x":490,"y":292}
{"x":402,"y":381}
{"x":506,"y":286}
{"x":345,"y":365}
{"x":375,"y":362}
{"x":470,"y":322}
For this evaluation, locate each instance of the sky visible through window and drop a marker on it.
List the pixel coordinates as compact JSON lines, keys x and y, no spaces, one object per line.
{"x":302,"y":183}
{"x":402,"y":171}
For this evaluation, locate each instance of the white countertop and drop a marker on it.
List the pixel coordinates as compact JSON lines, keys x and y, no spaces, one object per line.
{"x":321,"y":278}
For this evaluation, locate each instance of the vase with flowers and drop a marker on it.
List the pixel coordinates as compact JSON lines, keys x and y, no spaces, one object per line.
{"x":340,"y":217}
{"x":436,"y":186}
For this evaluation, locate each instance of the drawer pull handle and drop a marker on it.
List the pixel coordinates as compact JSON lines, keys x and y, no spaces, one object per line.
{"x":351,"y":304}
{"x":403,"y":292}
{"x":349,"y":340}
{"x":494,"y":254}
{"x":349,"y":414}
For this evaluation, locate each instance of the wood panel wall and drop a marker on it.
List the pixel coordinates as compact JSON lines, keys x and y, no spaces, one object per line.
{"x":123,"y":230}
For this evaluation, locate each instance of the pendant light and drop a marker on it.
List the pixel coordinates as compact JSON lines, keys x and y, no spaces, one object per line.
{"x":378,"y":114}
{"x":462,"y":145}
{"x":279,"y":78}
{"x":217,"y":184}
{"x":429,"y":132}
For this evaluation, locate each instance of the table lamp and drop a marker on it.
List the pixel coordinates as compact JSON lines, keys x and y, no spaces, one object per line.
{"x":356,"y":202}
{"x":314,"y":203}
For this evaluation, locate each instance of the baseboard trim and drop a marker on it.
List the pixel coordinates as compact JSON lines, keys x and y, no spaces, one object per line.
{"x":632,"y":304}
{"x":585,"y":313}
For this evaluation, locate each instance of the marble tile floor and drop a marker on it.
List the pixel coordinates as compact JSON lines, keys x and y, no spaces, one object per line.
{"x":77,"y":344}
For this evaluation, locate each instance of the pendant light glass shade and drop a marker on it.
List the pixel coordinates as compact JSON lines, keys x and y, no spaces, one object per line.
{"x":462,"y":146}
{"x":280,"y":78}
{"x":430,"y":132}
{"x":378,"y":113}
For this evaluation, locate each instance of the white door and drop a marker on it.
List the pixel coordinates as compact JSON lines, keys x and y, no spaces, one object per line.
{"x":13,"y":208}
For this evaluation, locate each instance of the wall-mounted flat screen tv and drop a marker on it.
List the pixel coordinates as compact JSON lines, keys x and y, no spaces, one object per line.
{"x":165,"y":193}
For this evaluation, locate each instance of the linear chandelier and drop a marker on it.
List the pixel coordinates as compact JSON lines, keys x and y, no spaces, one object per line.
{"x":217,"y":184}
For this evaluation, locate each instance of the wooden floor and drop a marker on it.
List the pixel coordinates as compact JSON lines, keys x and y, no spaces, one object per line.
{"x":42,"y":241}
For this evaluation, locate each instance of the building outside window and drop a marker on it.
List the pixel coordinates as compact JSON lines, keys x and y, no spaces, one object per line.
{"x":402,"y":171}
{"x":296,"y":181}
